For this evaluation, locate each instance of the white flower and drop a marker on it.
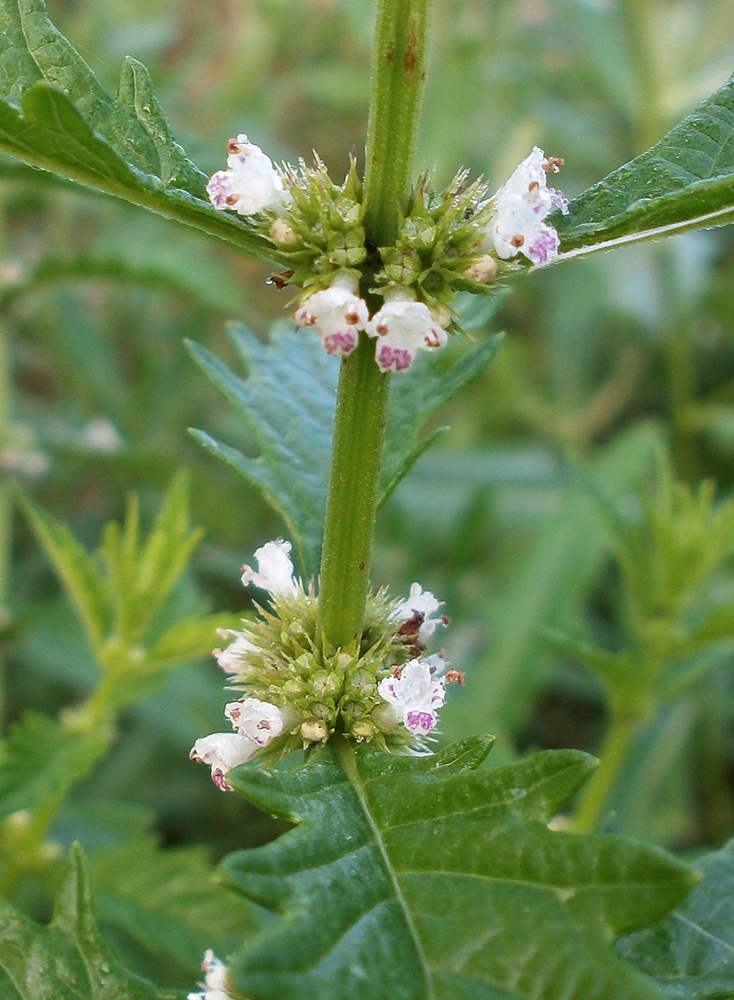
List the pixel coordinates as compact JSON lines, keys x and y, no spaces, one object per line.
{"x":423,"y":602}
{"x":222,"y":752}
{"x":337,"y":315}
{"x":402,"y":328}
{"x":275,"y":570}
{"x":415,"y":695}
{"x":249,"y":184}
{"x":231,"y":659}
{"x":521,"y":206}
{"x":215,"y":979}
{"x":258,"y":721}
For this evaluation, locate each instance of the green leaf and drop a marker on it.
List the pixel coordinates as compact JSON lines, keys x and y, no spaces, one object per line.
{"x":685,"y":181}
{"x":417,"y":396}
{"x":691,"y":953}
{"x":286,"y":402}
{"x":54,"y":114}
{"x":77,"y":571}
{"x":118,"y":597}
{"x":167,"y":901}
{"x":43,"y":758}
{"x":424,"y":877}
{"x":68,"y":959}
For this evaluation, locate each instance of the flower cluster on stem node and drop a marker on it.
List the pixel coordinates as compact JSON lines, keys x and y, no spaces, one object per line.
{"x":458,"y":239}
{"x":294,"y":693}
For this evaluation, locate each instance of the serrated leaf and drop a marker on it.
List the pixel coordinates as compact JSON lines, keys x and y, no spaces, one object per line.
{"x":416,"y":397}
{"x":691,"y":953}
{"x":54,"y":114}
{"x":685,"y":181}
{"x":167,"y":548}
{"x":287,"y":401}
{"x":68,"y":959}
{"x":168,"y":901}
{"x":415,"y":878}
{"x":75,"y":568}
{"x":43,"y":758}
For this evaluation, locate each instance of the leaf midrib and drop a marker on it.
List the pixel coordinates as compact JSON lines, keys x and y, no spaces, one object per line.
{"x":345,"y":755}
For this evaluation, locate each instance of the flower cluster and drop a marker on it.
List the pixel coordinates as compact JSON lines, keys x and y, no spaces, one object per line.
{"x":214,"y":985}
{"x":456,"y":239}
{"x":293,"y":693}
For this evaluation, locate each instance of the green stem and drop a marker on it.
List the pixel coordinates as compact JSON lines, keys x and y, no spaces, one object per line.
{"x":350,"y":511}
{"x":594,"y":799}
{"x":398,"y":72}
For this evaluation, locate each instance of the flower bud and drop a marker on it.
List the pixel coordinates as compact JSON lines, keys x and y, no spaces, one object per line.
{"x":483,"y":270}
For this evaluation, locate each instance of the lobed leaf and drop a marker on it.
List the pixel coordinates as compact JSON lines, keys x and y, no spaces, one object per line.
{"x":75,"y":568}
{"x":68,"y":959}
{"x":43,"y":758}
{"x":54,"y":114}
{"x":118,"y":597}
{"x":167,"y":901}
{"x":685,"y":181}
{"x":418,"y":878}
{"x":417,"y":396}
{"x":286,"y":402}
{"x":691,"y":953}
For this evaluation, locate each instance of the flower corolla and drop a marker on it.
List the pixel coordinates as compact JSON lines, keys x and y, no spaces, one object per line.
{"x":250,"y":183}
{"x":222,"y":752}
{"x":215,"y":975}
{"x":402,"y":327}
{"x":274,"y":570}
{"x":336,"y":314}
{"x":421,"y":602}
{"x":415,"y":694}
{"x":520,"y":208}
{"x":231,"y":658}
{"x":256,"y":720}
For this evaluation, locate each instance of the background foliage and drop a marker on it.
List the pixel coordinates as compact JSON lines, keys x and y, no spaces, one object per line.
{"x":524,"y":517}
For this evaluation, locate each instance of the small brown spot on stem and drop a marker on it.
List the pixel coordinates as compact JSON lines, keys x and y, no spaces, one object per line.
{"x":410,"y":57}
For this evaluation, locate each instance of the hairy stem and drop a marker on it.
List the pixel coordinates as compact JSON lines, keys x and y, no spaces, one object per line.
{"x":398,"y":72}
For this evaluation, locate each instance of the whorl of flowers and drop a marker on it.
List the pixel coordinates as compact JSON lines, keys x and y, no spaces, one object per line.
{"x":293,"y":693}
{"x":456,"y":239}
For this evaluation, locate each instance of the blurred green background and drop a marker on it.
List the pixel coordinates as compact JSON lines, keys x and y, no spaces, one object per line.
{"x":608,"y":362}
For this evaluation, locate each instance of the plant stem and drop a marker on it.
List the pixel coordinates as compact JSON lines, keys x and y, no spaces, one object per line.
{"x":398,"y":72}
{"x":593,"y":801}
{"x":352,"y":501}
